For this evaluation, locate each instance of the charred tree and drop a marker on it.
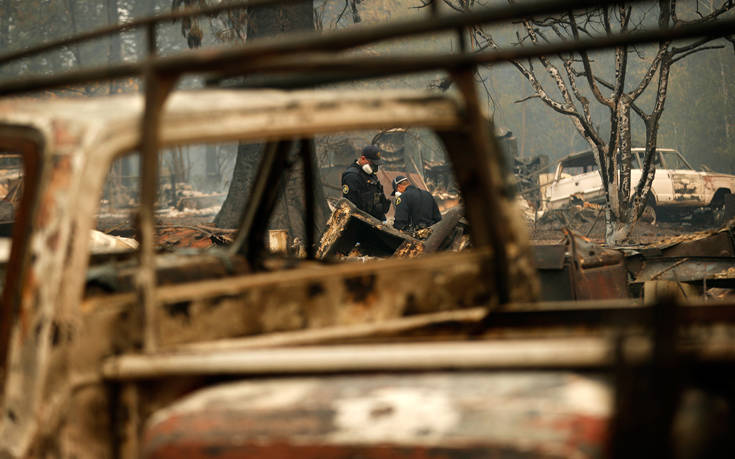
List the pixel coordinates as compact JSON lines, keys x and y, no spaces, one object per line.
{"x":576,"y":79}
{"x":268,"y":21}
{"x":262,"y":22}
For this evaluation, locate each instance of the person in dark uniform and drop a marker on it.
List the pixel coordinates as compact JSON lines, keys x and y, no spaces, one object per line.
{"x":361,"y":186}
{"x":415,"y":208}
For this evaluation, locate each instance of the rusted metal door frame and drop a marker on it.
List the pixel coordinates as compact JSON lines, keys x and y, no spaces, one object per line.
{"x":445,"y":22}
{"x":157,"y":89}
{"x":484,"y":184}
{"x":30,"y":145}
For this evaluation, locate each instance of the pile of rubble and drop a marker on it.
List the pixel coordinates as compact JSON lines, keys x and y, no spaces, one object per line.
{"x":352,"y":233}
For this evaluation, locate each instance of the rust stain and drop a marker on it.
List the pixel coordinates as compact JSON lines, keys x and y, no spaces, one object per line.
{"x":28,"y":295}
{"x":52,"y":241}
{"x":584,"y":432}
{"x":60,"y":178}
{"x":62,"y":136}
{"x":361,"y":289}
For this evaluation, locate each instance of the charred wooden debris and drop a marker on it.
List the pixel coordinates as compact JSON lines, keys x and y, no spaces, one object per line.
{"x":352,"y":233}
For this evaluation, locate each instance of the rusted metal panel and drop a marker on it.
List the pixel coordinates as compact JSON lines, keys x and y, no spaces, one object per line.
{"x":580,"y":269}
{"x":323,"y":296}
{"x":436,"y":415}
{"x":597,"y":272}
{"x":601,"y":282}
{"x":549,"y":256}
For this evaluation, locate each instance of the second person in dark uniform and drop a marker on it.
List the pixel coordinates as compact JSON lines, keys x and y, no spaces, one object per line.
{"x":361,"y":186}
{"x":415,"y":208}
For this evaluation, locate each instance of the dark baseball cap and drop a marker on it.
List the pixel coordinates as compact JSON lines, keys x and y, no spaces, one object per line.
{"x":396,"y":181}
{"x":372,"y":153}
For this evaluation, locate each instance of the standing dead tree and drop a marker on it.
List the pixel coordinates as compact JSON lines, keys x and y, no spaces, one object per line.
{"x":578,"y":81}
{"x":242,"y":25}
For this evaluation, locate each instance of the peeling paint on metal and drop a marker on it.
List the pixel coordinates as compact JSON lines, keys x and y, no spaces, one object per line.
{"x":394,"y":415}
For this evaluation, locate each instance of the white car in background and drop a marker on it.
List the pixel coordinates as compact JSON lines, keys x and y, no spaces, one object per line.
{"x":677,"y":187}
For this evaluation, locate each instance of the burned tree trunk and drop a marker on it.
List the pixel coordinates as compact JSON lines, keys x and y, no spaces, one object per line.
{"x":246,"y":164}
{"x":267,"y":21}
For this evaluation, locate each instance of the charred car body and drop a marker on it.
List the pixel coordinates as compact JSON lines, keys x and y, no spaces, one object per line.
{"x":677,"y":188}
{"x":68,"y":147}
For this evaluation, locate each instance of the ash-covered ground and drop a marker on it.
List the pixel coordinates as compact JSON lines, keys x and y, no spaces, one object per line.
{"x":590,"y":223}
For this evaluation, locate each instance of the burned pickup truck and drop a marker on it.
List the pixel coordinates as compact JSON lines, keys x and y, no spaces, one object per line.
{"x":61,"y":332}
{"x":677,"y":188}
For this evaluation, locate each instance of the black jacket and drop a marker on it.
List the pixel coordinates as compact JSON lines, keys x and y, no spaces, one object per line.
{"x":365,"y":191}
{"x":415,"y":209}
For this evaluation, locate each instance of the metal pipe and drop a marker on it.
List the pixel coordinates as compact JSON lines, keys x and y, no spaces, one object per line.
{"x":202,"y":60}
{"x":511,"y":354}
{"x":250,"y":59}
{"x":134,"y":24}
{"x":488,"y":355}
{"x":157,"y":89}
{"x":353,"y":67}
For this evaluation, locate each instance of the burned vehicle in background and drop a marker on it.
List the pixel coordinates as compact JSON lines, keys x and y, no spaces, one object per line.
{"x":677,"y":188}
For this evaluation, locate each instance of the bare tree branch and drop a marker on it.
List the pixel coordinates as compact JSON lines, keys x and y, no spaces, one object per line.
{"x":588,"y":67}
{"x":555,"y":105}
{"x":533,"y":96}
{"x":610,"y":86}
{"x":342,"y":13}
{"x":726,"y":6}
{"x":575,"y":90}
{"x":650,"y":72}
{"x":703,"y":48}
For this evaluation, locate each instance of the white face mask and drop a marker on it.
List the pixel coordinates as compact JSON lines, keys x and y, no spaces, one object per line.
{"x":366,"y":167}
{"x":398,"y":193}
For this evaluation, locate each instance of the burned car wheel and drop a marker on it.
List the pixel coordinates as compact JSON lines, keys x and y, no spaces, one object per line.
{"x":721,"y":207}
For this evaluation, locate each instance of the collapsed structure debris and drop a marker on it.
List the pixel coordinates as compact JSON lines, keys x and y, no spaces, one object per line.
{"x":703,"y":260}
{"x":527,"y":172}
{"x":578,"y":269}
{"x":353,"y":233}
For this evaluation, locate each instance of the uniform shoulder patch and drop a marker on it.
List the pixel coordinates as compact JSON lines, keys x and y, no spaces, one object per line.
{"x":398,"y":200}
{"x":345,"y":189}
